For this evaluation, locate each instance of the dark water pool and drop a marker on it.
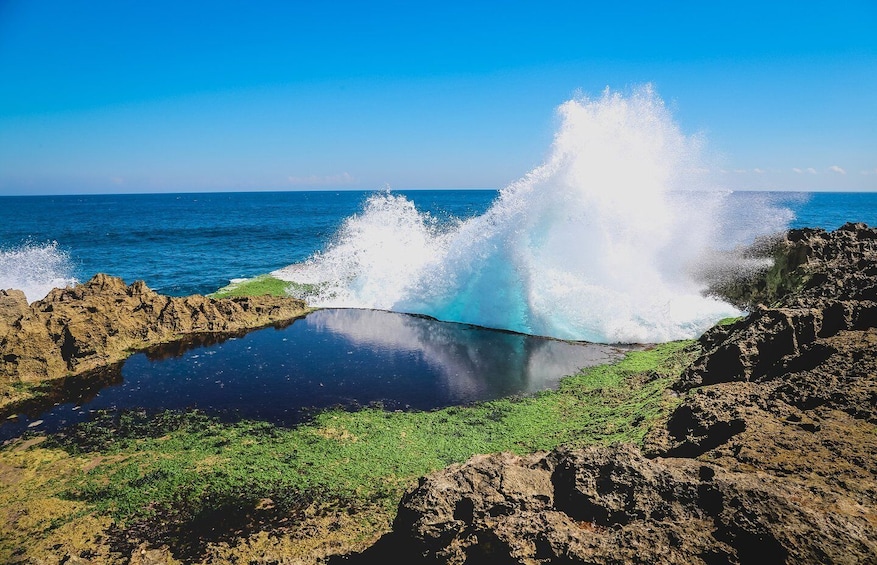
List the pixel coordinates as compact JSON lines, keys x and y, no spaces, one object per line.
{"x":333,"y":357}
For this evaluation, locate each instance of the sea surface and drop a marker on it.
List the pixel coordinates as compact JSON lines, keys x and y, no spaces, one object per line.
{"x":183,"y":244}
{"x":190,"y":243}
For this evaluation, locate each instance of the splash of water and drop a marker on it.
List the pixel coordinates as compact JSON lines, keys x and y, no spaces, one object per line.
{"x":599,"y":243}
{"x":35,"y":269}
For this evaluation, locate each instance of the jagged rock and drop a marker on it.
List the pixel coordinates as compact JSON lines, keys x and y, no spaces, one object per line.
{"x":74,"y":330}
{"x":486,"y":488}
{"x":809,"y":263}
{"x":611,"y":505}
{"x":13,"y":306}
{"x":770,"y":458}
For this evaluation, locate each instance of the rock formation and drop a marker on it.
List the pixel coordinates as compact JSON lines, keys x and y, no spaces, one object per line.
{"x":78,"y":329}
{"x":770,"y":457}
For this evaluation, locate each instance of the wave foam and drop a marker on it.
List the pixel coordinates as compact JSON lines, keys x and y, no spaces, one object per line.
{"x":35,"y":269}
{"x":601,"y":243}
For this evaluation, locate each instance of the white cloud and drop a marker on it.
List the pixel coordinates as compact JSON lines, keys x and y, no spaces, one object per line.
{"x":836,"y":169}
{"x":874,"y":172}
{"x":758,"y":170}
{"x":811,"y":170}
{"x":739,"y":171}
{"x":325,"y":180}
{"x":797,"y":170}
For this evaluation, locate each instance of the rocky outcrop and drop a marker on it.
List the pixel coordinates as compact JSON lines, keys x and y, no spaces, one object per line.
{"x":614,"y":505}
{"x":74,"y":330}
{"x":770,"y":457}
{"x":806,"y":264}
{"x":13,"y":307}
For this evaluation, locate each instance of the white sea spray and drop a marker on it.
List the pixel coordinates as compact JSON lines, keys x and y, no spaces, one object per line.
{"x":35,"y":269}
{"x":603,"y":242}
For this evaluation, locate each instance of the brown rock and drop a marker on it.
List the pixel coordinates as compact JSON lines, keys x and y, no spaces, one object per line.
{"x":13,"y":306}
{"x":143,"y":555}
{"x":809,"y":263}
{"x":78,"y":329}
{"x":611,"y":505}
{"x":770,"y":458}
{"x":487,"y":488}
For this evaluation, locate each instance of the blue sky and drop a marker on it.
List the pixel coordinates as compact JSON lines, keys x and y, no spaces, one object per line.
{"x":116,"y":96}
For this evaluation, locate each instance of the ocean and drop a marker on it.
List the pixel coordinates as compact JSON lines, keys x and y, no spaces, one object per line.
{"x":182,"y":244}
{"x":197,"y":242}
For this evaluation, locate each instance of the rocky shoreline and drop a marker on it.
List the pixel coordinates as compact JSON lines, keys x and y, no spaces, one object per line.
{"x":771,"y":456}
{"x":92,"y":325}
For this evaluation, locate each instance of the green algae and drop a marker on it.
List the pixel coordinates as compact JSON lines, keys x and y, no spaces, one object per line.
{"x":256,"y":286}
{"x":267,"y":284}
{"x":195,"y":484}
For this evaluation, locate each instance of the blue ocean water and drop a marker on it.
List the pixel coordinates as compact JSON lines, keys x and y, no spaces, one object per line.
{"x":554,"y":263}
{"x":191,"y":243}
{"x":830,"y":210}
{"x":196,"y":243}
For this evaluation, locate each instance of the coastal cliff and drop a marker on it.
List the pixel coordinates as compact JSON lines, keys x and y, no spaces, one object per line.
{"x":771,"y":455}
{"x":75,"y":330}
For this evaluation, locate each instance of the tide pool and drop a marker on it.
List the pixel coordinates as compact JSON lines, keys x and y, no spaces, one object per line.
{"x":330,"y":358}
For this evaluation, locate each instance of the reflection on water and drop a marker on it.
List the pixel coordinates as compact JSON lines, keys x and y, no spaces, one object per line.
{"x":336,"y":357}
{"x":466,"y":363}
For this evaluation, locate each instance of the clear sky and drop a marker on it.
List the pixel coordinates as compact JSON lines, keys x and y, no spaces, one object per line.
{"x":134,"y":96}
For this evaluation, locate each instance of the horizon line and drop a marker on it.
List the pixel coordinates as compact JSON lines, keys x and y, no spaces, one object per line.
{"x":414,"y":189}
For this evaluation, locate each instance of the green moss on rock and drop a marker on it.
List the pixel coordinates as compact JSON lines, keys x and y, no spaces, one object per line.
{"x":257,"y":286}
{"x":195,"y":484}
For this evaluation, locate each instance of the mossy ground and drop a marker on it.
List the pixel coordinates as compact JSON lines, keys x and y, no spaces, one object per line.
{"x":250,"y":490}
{"x":257,"y":286}
{"x":267,"y":284}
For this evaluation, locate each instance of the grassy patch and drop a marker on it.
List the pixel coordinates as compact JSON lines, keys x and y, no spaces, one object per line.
{"x":267,"y":284}
{"x":257,"y":286}
{"x":206,"y":488}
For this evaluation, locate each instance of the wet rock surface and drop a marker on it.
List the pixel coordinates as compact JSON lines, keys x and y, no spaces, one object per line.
{"x":771,"y":456}
{"x":91,"y":325}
